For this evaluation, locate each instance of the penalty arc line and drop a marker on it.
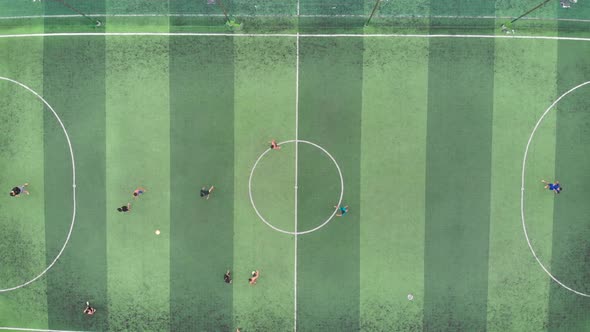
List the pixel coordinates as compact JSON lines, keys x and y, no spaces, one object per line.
{"x":73,"y":186}
{"x":522,"y":214}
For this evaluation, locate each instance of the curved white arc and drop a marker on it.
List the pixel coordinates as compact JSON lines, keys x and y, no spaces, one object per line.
{"x":522,"y":214}
{"x":73,"y":187}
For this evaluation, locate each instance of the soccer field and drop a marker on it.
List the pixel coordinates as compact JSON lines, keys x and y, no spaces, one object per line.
{"x":435,"y":137}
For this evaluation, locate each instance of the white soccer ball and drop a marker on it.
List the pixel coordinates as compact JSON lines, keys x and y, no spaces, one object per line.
{"x":410,"y":297}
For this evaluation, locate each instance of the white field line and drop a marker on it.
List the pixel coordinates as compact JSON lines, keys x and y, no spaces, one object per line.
{"x":296,"y":174}
{"x":35,"y":330}
{"x":522,"y":184}
{"x":292,"y":35}
{"x":297,"y":36}
{"x":71,"y":150}
{"x":299,"y":15}
{"x":309,"y":230}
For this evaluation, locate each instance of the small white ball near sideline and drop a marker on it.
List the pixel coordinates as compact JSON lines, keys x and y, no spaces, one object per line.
{"x":410,"y":297}
{"x":157,"y":232}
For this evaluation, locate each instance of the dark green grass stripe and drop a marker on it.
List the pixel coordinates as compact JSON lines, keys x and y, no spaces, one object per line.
{"x":463,"y":8}
{"x":73,"y":7}
{"x":201,"y":139}
{"x":137,"y":6}
{"x":332,"y":7}
{"x":84,"y":15}
{"x":196,"y":7}
{"x":330,"y":115}
{"x":74,"y":84}
{"x":332,"y":11}
{"x":580,"y":10}
{"x":458,"y":171}
{"x":571,"y":231}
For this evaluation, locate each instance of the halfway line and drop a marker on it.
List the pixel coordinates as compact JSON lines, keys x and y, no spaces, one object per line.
{"x":296,"y":173}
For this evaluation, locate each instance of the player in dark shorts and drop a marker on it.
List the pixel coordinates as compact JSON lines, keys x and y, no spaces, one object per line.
{"x":138,"y":192}
{"x":206,"y":192}
{"x":556,"y":187}
{"x":342,"y":210}
{"x":227,"y":277}
{"x":16,"y":191}
{"x":274,"y":145}
{"x":125,"y":208}
{"x":254,"y":279}
{"x":89,"y":310}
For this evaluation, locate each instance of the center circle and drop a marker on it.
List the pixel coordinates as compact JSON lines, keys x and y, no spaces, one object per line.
{"x":73,"y":186}
{"x":309,"y":230}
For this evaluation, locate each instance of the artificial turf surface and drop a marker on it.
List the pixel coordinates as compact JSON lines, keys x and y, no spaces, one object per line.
{"x":429,"y":135}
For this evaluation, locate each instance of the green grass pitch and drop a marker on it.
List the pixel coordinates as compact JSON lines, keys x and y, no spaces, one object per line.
{"x":429,"y":134}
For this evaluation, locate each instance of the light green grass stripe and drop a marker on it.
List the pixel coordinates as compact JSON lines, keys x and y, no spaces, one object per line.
{"x":22,"y":219}
{"x":147,"y":23}
{"x":138,"y":154}
{"x":524,"y":86}
{"x":392,"y":184}
{"x":264,"y":109}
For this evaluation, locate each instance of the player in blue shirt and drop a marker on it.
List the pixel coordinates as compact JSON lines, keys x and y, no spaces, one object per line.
{"x":556,"y":187}
{"x":138,"y":192}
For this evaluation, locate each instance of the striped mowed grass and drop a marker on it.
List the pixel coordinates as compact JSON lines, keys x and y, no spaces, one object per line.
{"x":429,"y":135}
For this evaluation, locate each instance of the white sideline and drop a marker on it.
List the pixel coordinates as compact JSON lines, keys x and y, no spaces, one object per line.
{"x":35,"y":330}
{"x":292,"y":35}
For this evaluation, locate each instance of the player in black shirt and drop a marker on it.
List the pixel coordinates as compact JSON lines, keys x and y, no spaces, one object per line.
{"x":19,"y":190}
{"x":125,"y":208}
{"x":206,"y":192}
